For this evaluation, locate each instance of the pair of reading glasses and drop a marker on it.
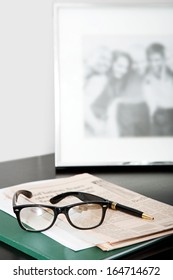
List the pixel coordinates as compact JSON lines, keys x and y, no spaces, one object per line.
{"x":89,"y":213}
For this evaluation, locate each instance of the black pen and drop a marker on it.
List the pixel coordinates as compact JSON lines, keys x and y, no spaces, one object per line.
{"x":131,"y":211}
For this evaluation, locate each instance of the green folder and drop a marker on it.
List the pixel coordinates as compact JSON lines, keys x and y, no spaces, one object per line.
{"x":41,"y":247}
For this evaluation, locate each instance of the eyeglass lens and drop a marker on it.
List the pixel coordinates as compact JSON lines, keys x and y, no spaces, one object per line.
{"x":86,"y":216}
{"x":36,"y":218}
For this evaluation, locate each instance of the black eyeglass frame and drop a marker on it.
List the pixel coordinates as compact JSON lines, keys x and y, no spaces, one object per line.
{"x":87,"y":198}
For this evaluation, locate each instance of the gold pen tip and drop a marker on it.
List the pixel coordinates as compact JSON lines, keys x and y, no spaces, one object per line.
{"x":147,"y":217}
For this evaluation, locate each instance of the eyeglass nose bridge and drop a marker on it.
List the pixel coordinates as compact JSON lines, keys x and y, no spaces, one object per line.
{"x":61,"y":210}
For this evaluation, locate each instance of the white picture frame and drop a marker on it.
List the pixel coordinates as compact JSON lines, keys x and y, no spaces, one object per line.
{"x":81,"y":29}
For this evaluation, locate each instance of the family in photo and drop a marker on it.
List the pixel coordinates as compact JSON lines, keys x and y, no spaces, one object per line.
{"x":124,"y":98}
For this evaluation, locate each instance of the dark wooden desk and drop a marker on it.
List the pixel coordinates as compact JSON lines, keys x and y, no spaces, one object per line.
{"x":151,"y":182}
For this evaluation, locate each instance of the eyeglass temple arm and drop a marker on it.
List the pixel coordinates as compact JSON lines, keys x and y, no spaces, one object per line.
{"x":81,"y":195}
{"x":24,"y":192}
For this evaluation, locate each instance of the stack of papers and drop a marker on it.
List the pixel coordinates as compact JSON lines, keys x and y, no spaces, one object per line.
{"x":118,"y":229}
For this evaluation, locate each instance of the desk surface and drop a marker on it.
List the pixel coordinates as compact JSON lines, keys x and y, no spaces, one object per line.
{"x":155,"y":184}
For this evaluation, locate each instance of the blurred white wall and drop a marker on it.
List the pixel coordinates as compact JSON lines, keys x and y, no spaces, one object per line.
{"x":26,"y":78}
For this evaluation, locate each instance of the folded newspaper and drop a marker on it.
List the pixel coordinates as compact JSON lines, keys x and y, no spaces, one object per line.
{"x":118,"y":229}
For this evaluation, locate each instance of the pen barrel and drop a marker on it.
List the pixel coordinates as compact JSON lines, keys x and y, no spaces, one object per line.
{"x":129,"y":210}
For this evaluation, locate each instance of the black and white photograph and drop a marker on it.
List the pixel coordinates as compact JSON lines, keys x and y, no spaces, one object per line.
{"x":113,"y":84}
{"x":128,"y":86}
